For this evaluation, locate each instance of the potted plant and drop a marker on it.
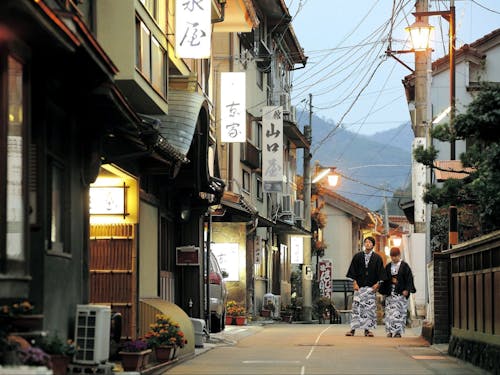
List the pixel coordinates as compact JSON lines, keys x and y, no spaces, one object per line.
{"x":19,"y":317}
{"x":164,"y":337}
{"x":236,"y":311}
{"x":33,"y":356}
{"x":134,"y":354}
{"x":287,"y":313}
{"x":267,"y":309}
{"x":60,"y":352}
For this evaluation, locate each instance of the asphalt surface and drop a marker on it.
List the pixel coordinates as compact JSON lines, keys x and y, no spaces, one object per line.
{"x":268,"y":347}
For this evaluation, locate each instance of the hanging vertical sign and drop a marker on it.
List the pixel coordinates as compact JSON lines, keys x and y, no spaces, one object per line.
{"x":272,"y":149}
{"x":193,"y":28}
{"x":233,"y":107}
{"x":297,"y":250}
{"x":325,"y":278}
{"x":258,"y":250}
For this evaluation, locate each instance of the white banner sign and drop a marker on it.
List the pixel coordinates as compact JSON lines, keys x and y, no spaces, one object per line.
{"x":297,"y":250}
{"x":272,"y":148}
{"x":193,"y":28}
{"x":233,"y":107}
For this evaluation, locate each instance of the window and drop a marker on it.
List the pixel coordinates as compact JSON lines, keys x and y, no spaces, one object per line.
{"x":13,"y":154}
{"x":152,"y":7}
{"x":246,"y":181}
{"x":57,"y":187}
{"x":15,"y":219}
{"x":151,"y":58}
{"x":260,"y":191}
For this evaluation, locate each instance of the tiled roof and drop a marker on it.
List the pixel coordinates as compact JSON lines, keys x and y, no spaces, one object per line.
{"x":453,"y":169}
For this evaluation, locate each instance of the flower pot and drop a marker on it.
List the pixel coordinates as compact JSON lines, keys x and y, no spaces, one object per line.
{"x":164,"y":353}
{"x":265,"y":313}
{"x":60,"y":363}
{"x":286,"y":318}
{"x":240,"y":320}
{"x":229,"y":320}
{"x":135,"y":361}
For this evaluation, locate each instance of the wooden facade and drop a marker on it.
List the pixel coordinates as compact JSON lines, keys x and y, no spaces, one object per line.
{"x":475,"y":302}
{"x":113,"y":271}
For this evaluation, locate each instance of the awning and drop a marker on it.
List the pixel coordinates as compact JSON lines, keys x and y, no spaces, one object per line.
{"x":178,"y":126}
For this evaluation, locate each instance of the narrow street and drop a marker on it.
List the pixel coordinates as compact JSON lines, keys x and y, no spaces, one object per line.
{"x":309,"y":349}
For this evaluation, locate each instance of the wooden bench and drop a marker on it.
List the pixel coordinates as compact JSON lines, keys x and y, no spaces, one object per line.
{"x":343,"y":286}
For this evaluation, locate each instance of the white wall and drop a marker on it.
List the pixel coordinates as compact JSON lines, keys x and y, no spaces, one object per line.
{"x":338,"y":236}
{"x":414,"y":255}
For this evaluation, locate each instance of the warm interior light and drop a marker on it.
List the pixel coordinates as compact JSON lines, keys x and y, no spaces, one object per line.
{"x":396,"y":241}
{"x":420,"y":35}
{"x":333,"y":179}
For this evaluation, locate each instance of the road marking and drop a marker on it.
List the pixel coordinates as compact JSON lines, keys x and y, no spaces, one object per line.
{"x":316,"y":342}
{"x":428,"y":357}
{"x":270,"y":361}
{"x":303,"y":370}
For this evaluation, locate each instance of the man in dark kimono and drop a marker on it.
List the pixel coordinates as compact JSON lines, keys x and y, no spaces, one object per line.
{"x":368,"y":273}
{"x":397,"y":290}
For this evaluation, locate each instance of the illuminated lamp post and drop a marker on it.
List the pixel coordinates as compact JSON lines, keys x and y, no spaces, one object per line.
{"x":420,"y":35}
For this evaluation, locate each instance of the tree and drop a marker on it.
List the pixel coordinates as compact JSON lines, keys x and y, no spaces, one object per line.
{"x":479,"y":125}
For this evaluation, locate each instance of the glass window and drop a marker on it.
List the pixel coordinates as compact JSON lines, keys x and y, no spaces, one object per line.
{"x":151,"y":7}
{"x":57,"y":208}
{"x":151,"y":58}
{"x":158,"y":66}
{"x":15,"y":145}
{"x":260,"y":191}
{"x":145,"y":65}
{"x":246,"y":181}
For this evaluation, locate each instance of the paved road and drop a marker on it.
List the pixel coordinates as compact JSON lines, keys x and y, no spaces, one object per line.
{"x":314,"y":349}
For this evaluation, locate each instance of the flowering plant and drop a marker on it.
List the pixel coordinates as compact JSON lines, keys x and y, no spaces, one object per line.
{"x":165,"y":332}
{"x":55,"y":345}
{"x":233,"y":309}
{"x":33,"y":356}
{"x":18,"y":308}
{"x":134,"y":346}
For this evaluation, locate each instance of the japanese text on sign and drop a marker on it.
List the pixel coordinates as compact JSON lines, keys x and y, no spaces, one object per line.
{"x":193,"y":28}
{"x":233,"y":107}
{"x":325,"y":278}
{"x":272,"y":148}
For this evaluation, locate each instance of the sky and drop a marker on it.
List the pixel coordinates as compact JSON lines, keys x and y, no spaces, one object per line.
{"x":351,"y":79}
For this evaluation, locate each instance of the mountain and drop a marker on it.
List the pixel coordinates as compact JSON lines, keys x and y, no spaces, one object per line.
{"x":371,"y":166}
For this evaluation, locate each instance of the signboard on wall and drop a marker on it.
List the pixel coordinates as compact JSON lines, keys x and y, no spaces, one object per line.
{"x":297,"y":250}
{"x":233,"y":107}
{"x":325,"y":270}
{"x":193,"y":29}
{"x":187,"y":256}
{"x":228,"y":257}
{"x":272,"y":148}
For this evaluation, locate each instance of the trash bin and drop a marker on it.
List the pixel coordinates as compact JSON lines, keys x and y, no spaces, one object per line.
{"x":199,"y":329}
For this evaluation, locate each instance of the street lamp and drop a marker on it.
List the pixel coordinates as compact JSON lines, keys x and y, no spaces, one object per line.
{"x":416,"y":30}
{"x":420,"y":35}
{"x":321,"y":172}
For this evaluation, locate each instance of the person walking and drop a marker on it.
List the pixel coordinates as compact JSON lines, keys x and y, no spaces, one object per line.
{"x":397,"y":291}
{"x":368,"y":273}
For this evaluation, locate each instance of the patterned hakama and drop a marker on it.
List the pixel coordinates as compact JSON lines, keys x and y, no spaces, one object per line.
{"x":364,"y":309}
{"x":396,"y":306}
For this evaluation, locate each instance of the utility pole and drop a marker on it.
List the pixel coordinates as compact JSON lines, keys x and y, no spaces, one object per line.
{"x":421,"y":126}
{"x":306,"y":268}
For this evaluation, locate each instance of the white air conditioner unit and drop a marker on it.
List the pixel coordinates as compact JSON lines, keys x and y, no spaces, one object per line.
{"x":286,"y":204}
{"x":92,"y":334}
{"x":292,"y":116}
{"x":285,"y":102}
{"x":298,"y":209}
